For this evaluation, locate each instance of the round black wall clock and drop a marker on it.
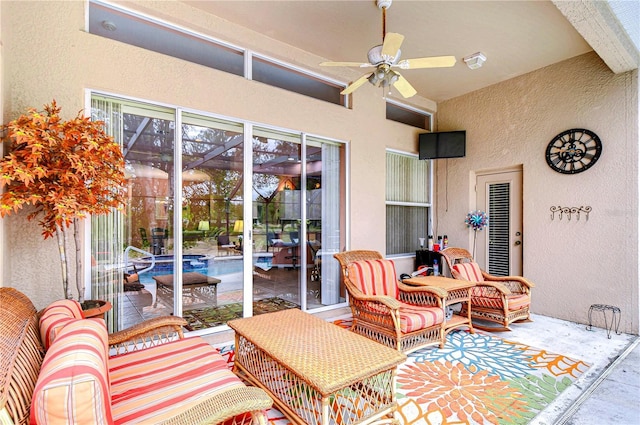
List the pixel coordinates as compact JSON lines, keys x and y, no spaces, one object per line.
{"x":573,"y":151}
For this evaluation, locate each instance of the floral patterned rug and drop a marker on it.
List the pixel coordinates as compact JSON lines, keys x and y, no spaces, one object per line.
{"x":475,"y":379}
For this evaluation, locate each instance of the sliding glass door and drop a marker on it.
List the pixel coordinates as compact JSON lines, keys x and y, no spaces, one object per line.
{"x":277,"y":243}
{"x":211,"y":218}
{"x":179,"y":246}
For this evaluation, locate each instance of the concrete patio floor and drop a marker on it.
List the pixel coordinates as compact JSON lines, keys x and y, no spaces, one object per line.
{"x":607,"y":393}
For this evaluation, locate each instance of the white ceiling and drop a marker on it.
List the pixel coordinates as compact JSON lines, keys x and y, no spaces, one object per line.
{"x":516,"y":36}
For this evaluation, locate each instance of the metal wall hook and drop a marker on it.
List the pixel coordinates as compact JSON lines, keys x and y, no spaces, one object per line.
{"x":569,"y":211}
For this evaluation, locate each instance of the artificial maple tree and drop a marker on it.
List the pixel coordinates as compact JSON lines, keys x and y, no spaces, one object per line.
{"x":67,"y":170}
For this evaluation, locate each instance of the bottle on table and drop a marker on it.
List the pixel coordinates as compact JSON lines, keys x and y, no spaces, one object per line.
{"x":436,"y":268}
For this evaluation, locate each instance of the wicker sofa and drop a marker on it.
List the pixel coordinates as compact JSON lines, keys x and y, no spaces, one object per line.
{"x":57,"y":367}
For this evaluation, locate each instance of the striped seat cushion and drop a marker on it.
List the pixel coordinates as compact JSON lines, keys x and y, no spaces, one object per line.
{"x":73,"y":384}
{"x":514,"y":302}
{"x":469,"y":271}
{"x":157,"y":383}
{"x":518,"y":301}
{"x":55,"y":316}
{"x":374,"y":277}
{"x":414,"y":318}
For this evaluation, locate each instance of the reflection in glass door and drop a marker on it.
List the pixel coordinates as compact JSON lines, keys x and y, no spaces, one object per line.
{"x":212,"y":221}
{"x":276,"y":217}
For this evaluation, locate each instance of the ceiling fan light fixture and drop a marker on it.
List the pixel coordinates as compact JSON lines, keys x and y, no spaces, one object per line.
{"x":475,"y":60}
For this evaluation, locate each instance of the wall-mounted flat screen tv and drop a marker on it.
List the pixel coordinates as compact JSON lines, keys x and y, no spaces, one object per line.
{"x":444,"y":144}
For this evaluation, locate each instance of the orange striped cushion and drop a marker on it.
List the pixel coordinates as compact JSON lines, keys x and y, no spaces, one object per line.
{"x":488,"y":301}
{"x":469,"y":271}
{"x":414,"y":318}
{"x":518,"y":301}
{"x":55,"y":316}
{"x":374,"y":277}
{"x":157,"y":383}
{"x":73,"y":384}
{"x":493,"y":299}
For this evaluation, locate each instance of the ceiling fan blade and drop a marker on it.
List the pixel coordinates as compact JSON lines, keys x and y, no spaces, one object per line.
{"x":391,"y":44}
{"x":403,"y":87}
{"x":358,"y":64}
{"x":431,"y":62}
{"x":353,"y":86}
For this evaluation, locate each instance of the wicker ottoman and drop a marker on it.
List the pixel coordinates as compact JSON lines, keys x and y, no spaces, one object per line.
{"x":317,"y":372}
{"x":195,"y":286}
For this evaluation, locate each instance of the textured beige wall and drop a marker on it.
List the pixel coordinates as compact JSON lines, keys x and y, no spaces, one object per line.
{"x":61,"y":61}
{"x":573,"y":263}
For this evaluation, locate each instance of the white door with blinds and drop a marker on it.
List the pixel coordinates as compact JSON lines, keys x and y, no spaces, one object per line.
{"x":499,"y":246}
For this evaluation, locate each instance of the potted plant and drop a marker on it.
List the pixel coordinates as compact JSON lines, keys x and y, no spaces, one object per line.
{"x":67,"y":170}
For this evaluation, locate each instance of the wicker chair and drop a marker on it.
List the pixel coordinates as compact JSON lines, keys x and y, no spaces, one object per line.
{"x":498,"y":299}
{"x":386,"y":310}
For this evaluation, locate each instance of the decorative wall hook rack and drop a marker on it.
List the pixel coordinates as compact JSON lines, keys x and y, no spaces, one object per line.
{"x":569,"y":211}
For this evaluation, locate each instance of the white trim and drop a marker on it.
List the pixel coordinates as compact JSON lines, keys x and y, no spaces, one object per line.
{"x":247,"y":215}
{"x":409,"y":204}
{"x":405,"y":153}
{"x":177,"y":214}
{"x":302,"y":243}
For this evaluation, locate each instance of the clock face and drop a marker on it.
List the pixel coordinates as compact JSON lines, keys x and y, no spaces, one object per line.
{"x":573,"y":151}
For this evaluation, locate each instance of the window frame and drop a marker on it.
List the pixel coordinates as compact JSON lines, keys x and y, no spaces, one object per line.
{"x":398,"y":106}
{"x":429,"y":204}
{"x":295,"y":80}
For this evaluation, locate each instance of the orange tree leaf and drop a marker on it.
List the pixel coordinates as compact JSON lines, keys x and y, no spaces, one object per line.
{"x":67,"y":169}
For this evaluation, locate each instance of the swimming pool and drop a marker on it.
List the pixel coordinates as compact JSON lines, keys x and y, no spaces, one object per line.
{"x":190,"y":263}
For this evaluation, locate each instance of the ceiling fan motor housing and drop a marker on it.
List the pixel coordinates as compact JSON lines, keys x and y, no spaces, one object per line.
{"x":376,"y":58}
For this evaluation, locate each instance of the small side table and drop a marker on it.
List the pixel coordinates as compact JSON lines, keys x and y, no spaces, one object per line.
{"x":615,"y":317}
{"x":458,"y":291}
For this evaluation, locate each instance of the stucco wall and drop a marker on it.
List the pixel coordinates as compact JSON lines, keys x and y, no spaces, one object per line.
{"x":573,"y":263}
{"x":62,"y":61}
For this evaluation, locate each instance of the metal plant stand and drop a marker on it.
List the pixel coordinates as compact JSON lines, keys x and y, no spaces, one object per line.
{"x":615,"y":317}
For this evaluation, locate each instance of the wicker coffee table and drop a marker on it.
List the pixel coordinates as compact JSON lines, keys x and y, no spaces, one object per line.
{"x":317,"y":372}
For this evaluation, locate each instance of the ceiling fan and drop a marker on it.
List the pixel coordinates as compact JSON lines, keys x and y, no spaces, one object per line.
{"x":386,"y":56}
